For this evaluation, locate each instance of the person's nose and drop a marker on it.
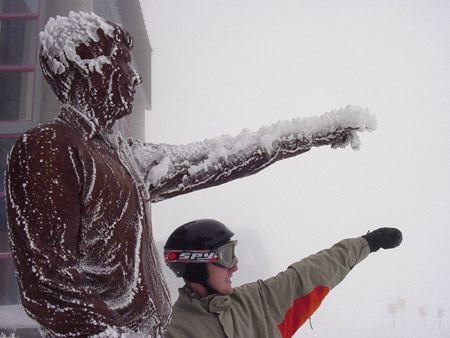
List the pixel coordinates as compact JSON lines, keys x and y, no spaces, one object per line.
{"x":234,"y":268}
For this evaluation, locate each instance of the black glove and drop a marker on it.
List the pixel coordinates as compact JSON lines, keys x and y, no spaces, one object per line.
{"x":386,"y":238}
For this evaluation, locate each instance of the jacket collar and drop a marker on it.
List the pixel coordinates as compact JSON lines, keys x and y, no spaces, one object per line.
{"x":219,"y":304}
{"x":85,"y":125}
{"x":214,"y":303}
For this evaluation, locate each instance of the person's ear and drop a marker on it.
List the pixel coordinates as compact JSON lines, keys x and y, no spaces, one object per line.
{"x":85,"y":53}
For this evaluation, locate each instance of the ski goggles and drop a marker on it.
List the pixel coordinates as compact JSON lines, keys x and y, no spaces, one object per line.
{"x":223,"y":255}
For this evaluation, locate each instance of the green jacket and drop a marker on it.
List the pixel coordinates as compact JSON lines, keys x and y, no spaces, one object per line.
{"x":276,"y":307}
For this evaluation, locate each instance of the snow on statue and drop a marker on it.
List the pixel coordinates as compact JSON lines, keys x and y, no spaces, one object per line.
{"x":79,"y":195}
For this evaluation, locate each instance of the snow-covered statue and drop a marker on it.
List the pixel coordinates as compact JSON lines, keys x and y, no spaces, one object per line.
{"x":79,"y":195}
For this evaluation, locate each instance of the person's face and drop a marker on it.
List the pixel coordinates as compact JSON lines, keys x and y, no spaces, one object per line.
{"x":109,"y":94}
{"x":120,"y":82}
{"x":220,"y":278}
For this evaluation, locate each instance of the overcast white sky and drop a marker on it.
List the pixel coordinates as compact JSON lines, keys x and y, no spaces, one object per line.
{"x":221,"y":66}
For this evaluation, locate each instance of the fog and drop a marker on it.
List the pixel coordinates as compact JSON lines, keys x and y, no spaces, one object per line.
{"x":221,"y":66}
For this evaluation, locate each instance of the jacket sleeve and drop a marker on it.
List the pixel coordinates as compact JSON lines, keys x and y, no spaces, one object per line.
{"x":171,"y":170}
{"x":292,"y":296}
{"x":42,"y":190}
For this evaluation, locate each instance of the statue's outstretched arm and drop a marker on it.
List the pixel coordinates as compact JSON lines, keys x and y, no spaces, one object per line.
{"x":172,"y":170}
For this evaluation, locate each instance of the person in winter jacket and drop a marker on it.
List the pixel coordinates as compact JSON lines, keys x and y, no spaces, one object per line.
{"x":78,"y":194}
{"x":202,"y":252}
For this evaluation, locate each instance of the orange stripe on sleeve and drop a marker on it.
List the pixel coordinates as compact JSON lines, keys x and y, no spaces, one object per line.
{"x":301,"y":310}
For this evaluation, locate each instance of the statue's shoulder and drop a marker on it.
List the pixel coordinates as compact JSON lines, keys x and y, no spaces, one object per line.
{"x":49,"y":135}
{"x":56,"y":128}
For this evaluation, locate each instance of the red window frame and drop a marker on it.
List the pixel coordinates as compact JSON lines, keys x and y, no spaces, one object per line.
{"x":25,"y":67}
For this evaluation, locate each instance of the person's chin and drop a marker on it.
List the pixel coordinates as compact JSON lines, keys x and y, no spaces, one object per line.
{"x":228,"y":291}
{"x":124,"y":112}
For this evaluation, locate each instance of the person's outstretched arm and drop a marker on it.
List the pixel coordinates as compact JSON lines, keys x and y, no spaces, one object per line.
{"x":172,"y":170}
{"x":292,"y":296}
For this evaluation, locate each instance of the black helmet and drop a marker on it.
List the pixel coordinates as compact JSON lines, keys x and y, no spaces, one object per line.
{"x":202,"y":234}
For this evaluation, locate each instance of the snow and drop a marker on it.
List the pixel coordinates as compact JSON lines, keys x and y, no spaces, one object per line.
{"x":61,"y":37}
{"x":268,"y":139}
{"x":159,"y":171}
{"x":113,"y":332}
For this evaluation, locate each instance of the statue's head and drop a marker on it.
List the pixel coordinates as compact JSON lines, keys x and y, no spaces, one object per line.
{"x":87,"y":62}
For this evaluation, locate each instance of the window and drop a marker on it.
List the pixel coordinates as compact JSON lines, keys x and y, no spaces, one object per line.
{"x":19,"y":25}
{"x":18,"y":47}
